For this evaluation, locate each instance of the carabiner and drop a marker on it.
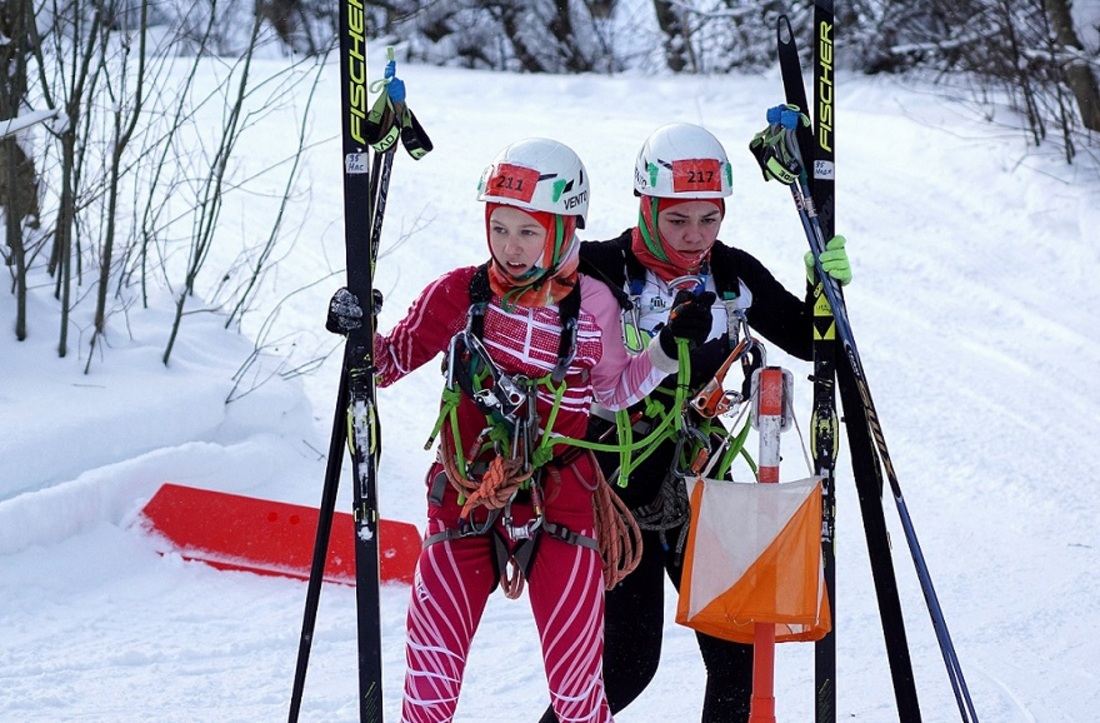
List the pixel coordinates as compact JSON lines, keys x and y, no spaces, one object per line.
{"x":525,"y":531}
{"x":696,"y":280}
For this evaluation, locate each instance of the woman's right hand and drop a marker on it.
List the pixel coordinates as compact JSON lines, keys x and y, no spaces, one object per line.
{"x":689,"y":319}
{"x":345,"y":314}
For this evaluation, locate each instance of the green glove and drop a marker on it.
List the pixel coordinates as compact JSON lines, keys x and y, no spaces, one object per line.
{"x":834,"y":259}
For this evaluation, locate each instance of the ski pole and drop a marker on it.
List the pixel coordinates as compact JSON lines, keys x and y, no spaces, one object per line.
{"x":320,"y":547}
{"x":355,"y":422}
{"x":803,"y":199}
{"x":380,"y":175}
{"x":939,"y":622}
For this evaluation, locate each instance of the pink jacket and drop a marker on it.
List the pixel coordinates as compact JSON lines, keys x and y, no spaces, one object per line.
{"x":525,"y":340}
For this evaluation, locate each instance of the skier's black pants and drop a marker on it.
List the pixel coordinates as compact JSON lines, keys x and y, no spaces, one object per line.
{"x":634,"y":624}
{"x":633,"y":631}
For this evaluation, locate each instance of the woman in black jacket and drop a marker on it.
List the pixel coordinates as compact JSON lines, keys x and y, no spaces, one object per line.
{"x":682,"y":176}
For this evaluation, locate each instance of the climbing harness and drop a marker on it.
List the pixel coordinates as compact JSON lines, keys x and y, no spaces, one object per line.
{"x":506,"y":463}
{"x":701,"y":444}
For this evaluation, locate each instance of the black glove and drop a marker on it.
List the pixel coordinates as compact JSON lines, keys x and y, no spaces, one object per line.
{"x":345,"y":315}
{"x":689,"y":319}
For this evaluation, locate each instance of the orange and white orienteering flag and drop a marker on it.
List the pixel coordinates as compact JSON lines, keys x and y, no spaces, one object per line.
{"x":754,"y":556}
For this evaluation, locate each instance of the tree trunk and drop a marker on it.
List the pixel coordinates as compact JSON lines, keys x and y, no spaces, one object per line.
{"x":668,"y":18}
{"x":510,"y":19}
{"x":18,"y":179}
{"x":1080,"y":78}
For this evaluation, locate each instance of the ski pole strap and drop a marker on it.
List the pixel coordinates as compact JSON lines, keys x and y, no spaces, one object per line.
{"x":389,"y":120}
{"x":413,"y":136}
{"x":789,"y":116}
{"x":776,"y":149}
{"x":382,"y":130}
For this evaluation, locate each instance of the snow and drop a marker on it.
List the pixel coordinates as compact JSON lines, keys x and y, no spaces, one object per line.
{"x":973,"y":303}
{"x":14,"y":125}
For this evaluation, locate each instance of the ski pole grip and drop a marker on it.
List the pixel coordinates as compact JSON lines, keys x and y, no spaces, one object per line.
{"x":787,"y":116}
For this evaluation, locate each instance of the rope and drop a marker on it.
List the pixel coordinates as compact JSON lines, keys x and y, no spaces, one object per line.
{"x":496,"y":487}
{"x":617,"y":532}
{"x":499,"y":483}
{"x":669,"y":510}
{"x":512,"y":583}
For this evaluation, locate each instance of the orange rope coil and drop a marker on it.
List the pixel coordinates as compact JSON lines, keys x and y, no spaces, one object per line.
{"x":616,"y":530}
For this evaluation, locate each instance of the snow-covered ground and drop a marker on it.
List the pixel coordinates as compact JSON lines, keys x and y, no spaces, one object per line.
{"x":974,"y":304}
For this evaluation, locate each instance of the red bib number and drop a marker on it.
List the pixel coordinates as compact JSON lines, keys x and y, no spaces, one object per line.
{"x":697,"y":174}
{"x":516,"y":182}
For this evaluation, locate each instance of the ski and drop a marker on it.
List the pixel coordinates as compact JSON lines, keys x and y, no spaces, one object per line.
{"x":824,"y":431}
{"x":355,"y":421}
{"x":362,"y":427}
{"x":824,"y":425}
{"x":854,"y":388}
{"x":366,"y":189}
{"x":818,"y":150}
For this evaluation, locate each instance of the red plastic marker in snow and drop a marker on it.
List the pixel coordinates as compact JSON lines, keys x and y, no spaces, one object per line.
{"x":233,"y":532}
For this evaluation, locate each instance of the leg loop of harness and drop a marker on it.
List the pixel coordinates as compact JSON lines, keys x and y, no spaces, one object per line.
{"x":465,"y":529}
{"x":563,"y":533}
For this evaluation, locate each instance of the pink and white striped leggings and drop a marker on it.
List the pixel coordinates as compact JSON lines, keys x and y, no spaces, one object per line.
{"x":453,"y":582}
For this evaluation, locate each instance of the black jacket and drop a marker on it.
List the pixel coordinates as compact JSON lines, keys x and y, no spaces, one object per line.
{"x":776,"y":314}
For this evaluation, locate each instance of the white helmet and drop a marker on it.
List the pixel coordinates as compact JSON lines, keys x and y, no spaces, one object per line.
{"x":682,"y":160}
{"x":537,"y":174}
